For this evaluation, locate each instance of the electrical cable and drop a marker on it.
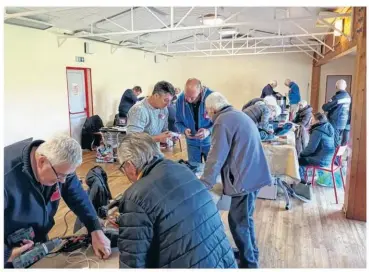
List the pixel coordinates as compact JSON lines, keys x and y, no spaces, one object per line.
{"x":85,"y":259}
{"x":66,"y":223}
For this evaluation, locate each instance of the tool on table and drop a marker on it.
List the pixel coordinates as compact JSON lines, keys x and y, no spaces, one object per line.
{"x":16,"y":238}
{"x":36,"y":253}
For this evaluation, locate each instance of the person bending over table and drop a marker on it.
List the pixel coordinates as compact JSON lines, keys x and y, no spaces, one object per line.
{"x":167,"y":217}
{"x":320,"y":149}
{"x":151,"y":114}
{"x":36,"y":176}
{"x":262,"y":113}
{"x":237,"y":154}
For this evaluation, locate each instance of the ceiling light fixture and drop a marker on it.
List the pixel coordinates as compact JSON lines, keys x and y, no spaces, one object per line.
{"x":211,"y":20}
{"x":228,"y":31}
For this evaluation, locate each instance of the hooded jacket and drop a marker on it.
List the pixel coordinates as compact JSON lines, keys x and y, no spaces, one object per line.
{"x":237,"y":154}
{"x":304,"y":116}
{"x":339,"y":110}
{"x":253,"y":102}
{"x":320,"y":149}
{"x":169,"y":220}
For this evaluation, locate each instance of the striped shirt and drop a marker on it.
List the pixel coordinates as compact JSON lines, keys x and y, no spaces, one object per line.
{"x":143,"y":117}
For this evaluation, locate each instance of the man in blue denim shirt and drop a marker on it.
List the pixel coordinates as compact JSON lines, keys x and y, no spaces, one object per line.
{"x":192,"y":119}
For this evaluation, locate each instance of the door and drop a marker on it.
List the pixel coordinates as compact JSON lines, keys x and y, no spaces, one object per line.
{"x":331,"y":85}
{"x":79,"y":99}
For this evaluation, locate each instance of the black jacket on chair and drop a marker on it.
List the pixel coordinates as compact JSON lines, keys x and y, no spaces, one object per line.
{"x":169,"y":220}
{"x":91,"y":126}
{"x":98,"y":190}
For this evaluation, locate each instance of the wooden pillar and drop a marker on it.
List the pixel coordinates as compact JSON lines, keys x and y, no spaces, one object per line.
{"x":315,"y":84}
{"x":355,"y":197}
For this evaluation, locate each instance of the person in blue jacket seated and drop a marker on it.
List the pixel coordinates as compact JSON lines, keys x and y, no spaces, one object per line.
{"x":269,"y":90}
{"x":237,"y":154}
{"x":36,"y":176}
{"x":294,"y":96}
{"x":320,"y":149}
{"x":193,"y":121}
{"x":129,"y":98}
{"x":168,"y":218}
{"x":338,"y":110}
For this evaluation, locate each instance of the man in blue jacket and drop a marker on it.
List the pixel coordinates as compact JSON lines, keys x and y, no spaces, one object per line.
{"x":338,"y":111}
{"x":237,"y":154}
{"x":192,"y":119}
{"x":293,"y":96}
{"x":36,"y":175}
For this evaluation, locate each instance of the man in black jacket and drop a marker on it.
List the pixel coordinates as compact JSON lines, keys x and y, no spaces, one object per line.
{"x":168,"y":218}
{"x":36,"y":176}
{"x":129,"y":98}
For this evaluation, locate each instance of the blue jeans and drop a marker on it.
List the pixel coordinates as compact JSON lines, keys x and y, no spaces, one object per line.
{"x":241,"y":224}
{"x":197,"y":153}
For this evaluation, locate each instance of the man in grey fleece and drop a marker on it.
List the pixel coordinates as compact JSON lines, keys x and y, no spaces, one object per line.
{"x":237,"y":154}
{"x":151,"y":114}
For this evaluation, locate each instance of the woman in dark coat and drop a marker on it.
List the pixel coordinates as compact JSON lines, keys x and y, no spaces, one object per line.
{"x":320,"y":149}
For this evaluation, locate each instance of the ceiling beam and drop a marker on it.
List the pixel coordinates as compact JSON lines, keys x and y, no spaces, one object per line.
{"x":247,"y":39}
{"x":238,"y":49}
{"x":157,"y":18}
{"x":166,"y":29}
{"x":314,"y":36}
{"x":184,"y":17}
{"x":324,"y":22}
{"x":248,"y":54}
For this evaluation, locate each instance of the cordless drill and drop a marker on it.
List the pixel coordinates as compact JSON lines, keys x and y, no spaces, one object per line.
{"x":36,"y":253}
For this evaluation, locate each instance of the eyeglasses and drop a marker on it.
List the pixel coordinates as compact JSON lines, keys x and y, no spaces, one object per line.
{"x":121,"y":168}
{"x":59,"y":176}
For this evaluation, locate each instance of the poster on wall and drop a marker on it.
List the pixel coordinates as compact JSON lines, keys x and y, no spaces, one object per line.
{"x":75,"y":88}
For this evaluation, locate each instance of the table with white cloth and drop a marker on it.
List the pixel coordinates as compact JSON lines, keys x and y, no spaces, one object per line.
{"x":283,"y":164}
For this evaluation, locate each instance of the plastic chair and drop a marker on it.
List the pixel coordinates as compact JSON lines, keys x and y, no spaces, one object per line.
{"x":331,"y":169}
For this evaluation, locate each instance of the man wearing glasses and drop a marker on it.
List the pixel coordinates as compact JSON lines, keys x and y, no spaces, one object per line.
{"x":151,"y":114}
{"x":192,"y":120}
{"x":36,"y":176}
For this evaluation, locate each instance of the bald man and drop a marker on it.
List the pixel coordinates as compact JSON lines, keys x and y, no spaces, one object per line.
{"x":339,"y":113}
{"x":269,"y":90}
{"x":192,"y":120}
{"x":293,"y":96}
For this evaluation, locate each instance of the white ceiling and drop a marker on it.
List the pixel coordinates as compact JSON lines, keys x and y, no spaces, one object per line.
{"x":266,"y":22}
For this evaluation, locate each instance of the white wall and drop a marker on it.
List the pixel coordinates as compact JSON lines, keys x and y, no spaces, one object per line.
{"x":36,"y":102}
{"x":342,"y":66}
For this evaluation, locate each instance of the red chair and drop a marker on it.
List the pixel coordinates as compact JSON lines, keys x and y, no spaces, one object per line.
{"x":331,"y":169}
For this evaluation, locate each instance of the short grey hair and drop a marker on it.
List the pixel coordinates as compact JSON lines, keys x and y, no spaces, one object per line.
{"x":139,"y":148}
{"x":61,"y":149}
{"x":303,"y":103}
{"x":216,"y":101}
{"x":273,"y":83}
{"x":287,"y":81}
{"x":341,"y":84}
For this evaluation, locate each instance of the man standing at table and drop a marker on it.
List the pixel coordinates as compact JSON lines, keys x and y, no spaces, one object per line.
{"x":36,"y":176}
{"x":237,"y":154}
{"x":192,"y":120}
{"x":293,"y":96}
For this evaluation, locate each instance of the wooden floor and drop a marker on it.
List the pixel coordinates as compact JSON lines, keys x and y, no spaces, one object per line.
{"x":310,"y":235}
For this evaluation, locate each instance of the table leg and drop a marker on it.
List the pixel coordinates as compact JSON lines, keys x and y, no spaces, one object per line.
{"x":286,"y":196}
